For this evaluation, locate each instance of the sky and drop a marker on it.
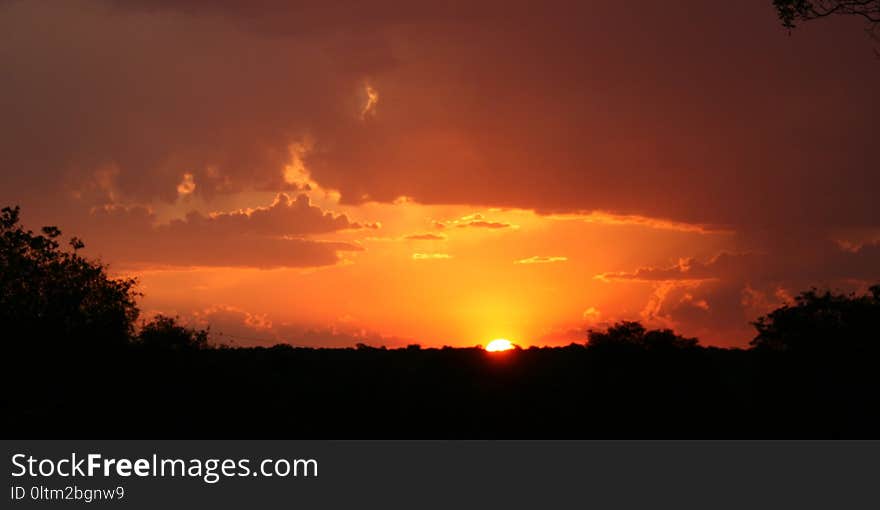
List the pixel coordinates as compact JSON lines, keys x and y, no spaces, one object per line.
{"x":397,"y":172}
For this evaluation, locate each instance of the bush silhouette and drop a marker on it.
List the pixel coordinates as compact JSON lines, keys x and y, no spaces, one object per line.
{"x":53,"y":297}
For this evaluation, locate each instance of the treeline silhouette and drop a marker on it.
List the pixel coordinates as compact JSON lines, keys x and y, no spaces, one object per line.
{"x":76,"y":362}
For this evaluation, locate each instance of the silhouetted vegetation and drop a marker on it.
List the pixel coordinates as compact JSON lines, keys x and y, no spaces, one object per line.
{"x":823,"y":323}
{"x":165,"y":333}
{"x":627,"y":335}
{"x":75,"y":364}
{"x":50,"y":297}
{"x":793,"y":12}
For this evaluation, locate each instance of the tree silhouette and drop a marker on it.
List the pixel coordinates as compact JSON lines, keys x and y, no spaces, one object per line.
{"x":823,"y":322}
{"x":52,"y":297}
{"x":630,"y":334}
{"x":792,"y":12}
{"x":164,"y":333}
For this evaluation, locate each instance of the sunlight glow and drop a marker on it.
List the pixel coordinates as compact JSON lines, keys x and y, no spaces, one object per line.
{"x":500,"y":344}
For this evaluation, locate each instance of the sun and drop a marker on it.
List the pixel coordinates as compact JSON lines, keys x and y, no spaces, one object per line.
{"x":499,"y":344}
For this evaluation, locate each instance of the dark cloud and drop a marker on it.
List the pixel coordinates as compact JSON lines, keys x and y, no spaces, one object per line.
{"x":634,"y":108}
{"x":156,"y":97}
{"x":284,"y":217}
{"x":262,"y":238}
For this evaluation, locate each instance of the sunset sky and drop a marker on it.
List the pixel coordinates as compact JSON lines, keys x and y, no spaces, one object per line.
{"x":447,"y":173}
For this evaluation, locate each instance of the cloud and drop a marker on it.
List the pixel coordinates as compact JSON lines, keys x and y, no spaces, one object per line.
{"x":563,"y":336}
{"x":265,"y":237}
{"x":485,"y":224}
{"x":673,"y":303}
{"x":592,"y":315}
{"x":478,"y":221}
{"x":855,"y":261}
{"x":338,"y":336}
{"x":541,"y":260}
{"x":285,"y":216}
{"x":689,"y":269}
{"x":607,"y":218}
{"x":237,"y":327}
{"x":473,"y":221}
{"x":369,"y":109}
{"x":187,"y":185}
{"x":222,"y":90}
{"x":425,"y":237}
{"x":229,"y":323}
{"x":717,"y":298}
{"x":171,"y":103}
{"x":308,"y":66}
{"x":430,"y":256}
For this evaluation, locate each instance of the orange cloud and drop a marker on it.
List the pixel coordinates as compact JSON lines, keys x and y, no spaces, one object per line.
{"x":607,"y":218}
{"x":473,"y":221}
{"x":425,"y":237}
{"x":592,"y":315}
{"x":187,"y":185}
{"x":430,"y":256}
{"x":371,"y":102}
{"x":541,"y":260}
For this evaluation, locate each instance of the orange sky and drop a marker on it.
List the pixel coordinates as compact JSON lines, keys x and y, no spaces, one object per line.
{"x":390,"y":173}
{"x":487,"y":273}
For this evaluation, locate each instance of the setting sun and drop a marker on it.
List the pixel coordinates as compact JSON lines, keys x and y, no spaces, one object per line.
{"x":499,"y":344}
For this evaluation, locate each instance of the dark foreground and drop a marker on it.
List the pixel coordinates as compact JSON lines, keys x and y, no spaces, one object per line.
{"x":571,"y":392}
{"x":75,"y":362}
